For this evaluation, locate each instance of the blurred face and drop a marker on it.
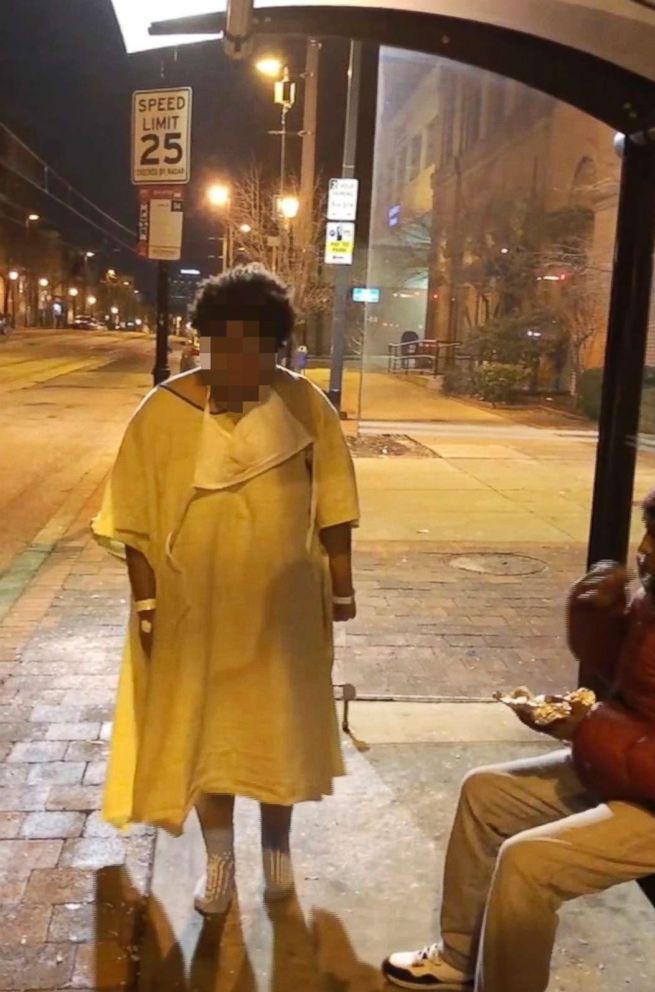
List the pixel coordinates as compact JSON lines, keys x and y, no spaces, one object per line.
{"x":646,"y":555}
{"x":237,"y":360}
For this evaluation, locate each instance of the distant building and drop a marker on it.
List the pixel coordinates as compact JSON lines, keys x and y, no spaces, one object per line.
{"x":466,"y":162}
{"x":183,"y":289}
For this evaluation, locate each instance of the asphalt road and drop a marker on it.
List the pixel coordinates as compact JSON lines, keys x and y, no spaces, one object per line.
{"x":64,"y":399}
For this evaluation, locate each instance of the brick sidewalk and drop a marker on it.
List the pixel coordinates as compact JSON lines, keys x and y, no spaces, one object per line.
{"x":426,"y":628}
{"x":71,"y":886}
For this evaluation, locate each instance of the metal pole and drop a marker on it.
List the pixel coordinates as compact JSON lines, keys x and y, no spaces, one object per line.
{"x":625,"y":354}
{"x":283,"y":152}
{"x":342,"y":278}
{"x":162,"y":371}
{"x":309,"y":126}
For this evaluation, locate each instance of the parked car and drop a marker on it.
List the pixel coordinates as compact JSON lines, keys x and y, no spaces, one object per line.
{"x":190,"y":354}
{"x":84,"y":322}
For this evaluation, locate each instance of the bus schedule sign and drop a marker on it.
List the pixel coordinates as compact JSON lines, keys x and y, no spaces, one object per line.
{"x":161,"y":136}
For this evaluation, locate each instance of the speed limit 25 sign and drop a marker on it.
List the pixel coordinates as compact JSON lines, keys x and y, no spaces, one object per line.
{"x":161,"y":136}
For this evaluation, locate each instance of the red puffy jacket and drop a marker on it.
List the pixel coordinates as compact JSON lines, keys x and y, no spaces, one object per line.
{"x":614,"y":746}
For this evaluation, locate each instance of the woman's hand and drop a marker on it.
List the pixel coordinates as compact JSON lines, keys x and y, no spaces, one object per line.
{"x":146,"y":637}
{"x":341,"y":613}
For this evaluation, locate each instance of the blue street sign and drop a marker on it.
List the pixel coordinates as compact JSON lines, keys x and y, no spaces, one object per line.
{"x":361,"y":294}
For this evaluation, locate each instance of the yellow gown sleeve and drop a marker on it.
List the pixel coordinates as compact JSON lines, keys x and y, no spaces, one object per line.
{"x":127,"y":511}
{"x":334,"y":473}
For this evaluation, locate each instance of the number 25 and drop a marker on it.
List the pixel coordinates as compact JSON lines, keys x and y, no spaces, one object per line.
{"x":171,"y":144}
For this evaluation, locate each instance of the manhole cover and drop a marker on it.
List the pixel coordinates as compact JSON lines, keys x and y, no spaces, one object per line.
{"x":495,"y":564}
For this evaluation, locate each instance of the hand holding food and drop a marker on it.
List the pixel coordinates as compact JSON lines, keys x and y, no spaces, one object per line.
{"x":604,"y":585}
{"x":555,"y":715}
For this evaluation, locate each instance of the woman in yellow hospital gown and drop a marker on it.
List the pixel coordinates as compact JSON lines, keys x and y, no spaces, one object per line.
{"x":233,"y":497}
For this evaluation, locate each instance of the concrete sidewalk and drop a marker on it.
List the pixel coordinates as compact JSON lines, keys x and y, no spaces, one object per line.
{"x":73,"y":890}
{"x":462,"y":563}
{"x":368,"y":864}
{"x":379,"y":396}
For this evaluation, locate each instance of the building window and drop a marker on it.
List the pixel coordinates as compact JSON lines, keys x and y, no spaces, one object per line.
{"x":448,"y":94}
{"x":400,"y":178}
{"x":431,"y":146}
{"x":495,"y":104}
{"x":471,"y":116}
{"x":415,"y":157}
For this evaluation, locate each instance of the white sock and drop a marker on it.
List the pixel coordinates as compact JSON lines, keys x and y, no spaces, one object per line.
{"x":278,"y":871}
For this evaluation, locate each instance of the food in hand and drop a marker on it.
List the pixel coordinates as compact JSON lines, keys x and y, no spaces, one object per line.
{"x":605,"y":584}
{"x":545,"y":709}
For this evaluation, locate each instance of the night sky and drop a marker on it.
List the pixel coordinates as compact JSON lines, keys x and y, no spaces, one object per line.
{"x":65,"y":89}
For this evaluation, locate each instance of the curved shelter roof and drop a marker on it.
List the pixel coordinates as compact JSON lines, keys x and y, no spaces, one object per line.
{"x":598,"y":56}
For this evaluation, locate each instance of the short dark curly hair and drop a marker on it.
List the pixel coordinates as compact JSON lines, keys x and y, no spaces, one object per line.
{"x":247,"y":292}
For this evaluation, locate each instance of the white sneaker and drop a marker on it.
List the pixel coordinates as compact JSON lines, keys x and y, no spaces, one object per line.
{"x":215,"y":890}
{"x":278,"y":874}
{"x":424,"y":969}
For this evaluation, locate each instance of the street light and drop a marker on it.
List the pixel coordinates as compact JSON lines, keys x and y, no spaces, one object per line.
{"x":73,"y":292}
{"x":245,"y":228}
{"x":219,"y":195}
{"x":289,"y":207}
{"x":111,"y":273}
{"x":284,"y":95}
{"x":13,"y":276}
{"x":32,"y":218}
{"x":270,"y":66}
{"x":44,"y":283}
{"x":91,"y":301}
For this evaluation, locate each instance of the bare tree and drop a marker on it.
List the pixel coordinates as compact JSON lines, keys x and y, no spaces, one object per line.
{"x":262,"y":235}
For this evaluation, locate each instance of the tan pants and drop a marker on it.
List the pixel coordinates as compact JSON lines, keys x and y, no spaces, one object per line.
{"x":526,"y":838}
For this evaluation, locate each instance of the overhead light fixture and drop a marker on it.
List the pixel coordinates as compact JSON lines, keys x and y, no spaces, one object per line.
{"x":134,"y":20}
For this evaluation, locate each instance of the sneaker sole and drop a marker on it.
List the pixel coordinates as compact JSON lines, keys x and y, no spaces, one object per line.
{"x":439,"y":987}
{"x":431,"y":987}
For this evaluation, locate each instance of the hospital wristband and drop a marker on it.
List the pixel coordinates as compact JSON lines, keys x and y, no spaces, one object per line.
{"x":343,"y":600}
{"x":145,"y":605}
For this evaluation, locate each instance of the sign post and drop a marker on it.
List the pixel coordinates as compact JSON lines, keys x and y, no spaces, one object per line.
{"x":342,"y":199}
{"x":161,"y":163}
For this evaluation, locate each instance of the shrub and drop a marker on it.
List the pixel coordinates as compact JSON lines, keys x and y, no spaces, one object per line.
{"x":458,"y":381}
{"x":647,"y":420}
{"x":498,"y":383}
{"x":590,"y":384}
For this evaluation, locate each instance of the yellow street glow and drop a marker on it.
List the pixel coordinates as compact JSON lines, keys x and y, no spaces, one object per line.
{"x":270,"y":66}
{"x":289,"y":207}
{"x":218,"y":195}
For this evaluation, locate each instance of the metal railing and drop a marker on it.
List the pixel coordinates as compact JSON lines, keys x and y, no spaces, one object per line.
{"x":425,"y":357}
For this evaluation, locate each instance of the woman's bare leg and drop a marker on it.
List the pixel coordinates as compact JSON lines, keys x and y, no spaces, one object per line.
{"x":278,"y":873}
{"x":216,"y":815}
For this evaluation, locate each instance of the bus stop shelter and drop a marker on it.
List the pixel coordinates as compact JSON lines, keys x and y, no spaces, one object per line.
{"x":598,"y":57}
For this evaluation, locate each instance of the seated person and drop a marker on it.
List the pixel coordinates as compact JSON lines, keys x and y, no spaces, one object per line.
{"x":531,"y":834}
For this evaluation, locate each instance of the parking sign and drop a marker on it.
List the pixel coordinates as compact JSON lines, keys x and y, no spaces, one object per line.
{"x":342,"y":199}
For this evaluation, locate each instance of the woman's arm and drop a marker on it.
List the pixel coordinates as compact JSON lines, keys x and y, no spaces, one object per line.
{"x":144,"y":586}
{"x":337,"y":542}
